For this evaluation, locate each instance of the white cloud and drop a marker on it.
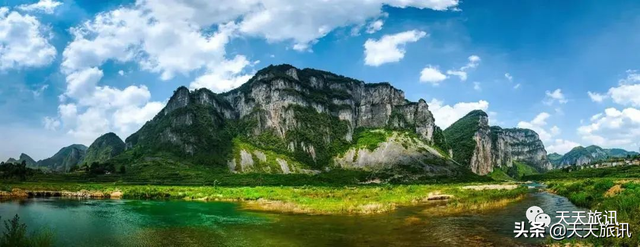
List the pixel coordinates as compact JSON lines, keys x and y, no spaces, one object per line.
{"x":632,"y":77}
{"x":320,"y":16}
{"x":476,"y":86}
{"x":508,"y":76}
{"x":50,"y":123}
{"x":459,"y":73}
{"x":516,"y":86}
{"x":538,"y":124}
{"x":82,"y":83}
{"x":224,"y":77}
{"x":627,"y":95}
{"x":46,"y":6}
{"x":24,"y":42}
{"x":613,"y":128}
{"x":38,"y":92}
{"x":474,"y":61}
{"x":389,"y":48}
{"x":445,"y":115}
{"x":560,"y":146}
{"x":596,"y":97}
{"x":120,"y":72}
{"x":555,"y":96}
{"x":106,"y":109}
{"x":300,"y":22}
{"x":375,"y":26}
{"x":432,"y":75}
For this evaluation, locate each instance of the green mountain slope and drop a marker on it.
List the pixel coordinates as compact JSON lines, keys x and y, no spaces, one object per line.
{"x":23,"y":157}
{"x":104,"y":148}
{"x":65,"y":159}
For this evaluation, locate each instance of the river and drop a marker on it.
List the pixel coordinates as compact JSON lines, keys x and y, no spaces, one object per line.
{"x":186,"y":223}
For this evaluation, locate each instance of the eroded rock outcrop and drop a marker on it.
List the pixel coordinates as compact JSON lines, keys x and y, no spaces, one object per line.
{"x":483,"y":147}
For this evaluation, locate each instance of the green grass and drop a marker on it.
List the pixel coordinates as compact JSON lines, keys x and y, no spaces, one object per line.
{"x":306,"y":199}
{"x":499,"y":175}
{"x":370,"y":139}
{"x":589,"y":188}
{"x":592,"y":194}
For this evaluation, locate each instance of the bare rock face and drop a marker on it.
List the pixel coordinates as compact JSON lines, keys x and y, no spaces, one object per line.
{"x":397,"y":151}
{"x":307,"y":114}
{"x":483,"y":147}
{"x":519,"y":145}
{"x":481,"y":161}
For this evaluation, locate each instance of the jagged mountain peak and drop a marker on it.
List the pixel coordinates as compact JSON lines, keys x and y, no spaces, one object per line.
{"x":308,"y":114}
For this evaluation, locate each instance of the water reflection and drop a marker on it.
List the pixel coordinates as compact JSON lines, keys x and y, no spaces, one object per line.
{"x":181,"y":223}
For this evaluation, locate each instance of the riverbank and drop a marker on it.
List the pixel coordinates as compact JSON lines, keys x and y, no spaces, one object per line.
{"x":370,"y":199}
{"x":605,"y":194}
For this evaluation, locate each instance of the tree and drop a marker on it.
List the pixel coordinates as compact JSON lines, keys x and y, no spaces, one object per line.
{"x":122,"y":169}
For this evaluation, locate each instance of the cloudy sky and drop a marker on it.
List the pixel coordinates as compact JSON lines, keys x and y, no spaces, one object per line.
{"x":73,"y":70}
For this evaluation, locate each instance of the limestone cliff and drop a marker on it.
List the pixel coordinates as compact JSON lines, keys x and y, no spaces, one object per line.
{"x":483,"y":147}
{"x":308,"y":115}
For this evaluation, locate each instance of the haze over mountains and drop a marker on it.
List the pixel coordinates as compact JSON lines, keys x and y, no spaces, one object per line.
{"x":289,"y":120}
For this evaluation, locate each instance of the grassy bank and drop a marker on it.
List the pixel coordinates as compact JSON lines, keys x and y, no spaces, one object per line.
{"x":621,"y":195}
{"x":296,"y":199}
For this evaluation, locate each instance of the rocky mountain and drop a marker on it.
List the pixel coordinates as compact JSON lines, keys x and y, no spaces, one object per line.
{"x":483,"y":147}
{"x":66,"y":158}
{"x":290,"y":120}
{"x":23,"y":157}
{"x":105,"y":147}
{"x":585,"y":155}
{"x":554,"y":158}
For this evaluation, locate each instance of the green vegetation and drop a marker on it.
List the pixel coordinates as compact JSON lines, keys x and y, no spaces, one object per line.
{"x":610,"y":172}
{"x":301,"y":199}
{"x":370,"y":139}
{"x":460,"y":135}
{"x":520,"y":169}
{"x":15,"y":235}
{"x":605,"y":194}
{"x":16,"y":170}
{"x":615,"y":188}
{"x":104,"y":148}
{"x":499,"y":174}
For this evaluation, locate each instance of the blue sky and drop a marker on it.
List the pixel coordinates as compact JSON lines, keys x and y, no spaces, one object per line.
{"x":73,"y":70}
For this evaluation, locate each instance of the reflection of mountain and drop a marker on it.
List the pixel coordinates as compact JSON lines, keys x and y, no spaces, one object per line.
{"x":585,"y":155}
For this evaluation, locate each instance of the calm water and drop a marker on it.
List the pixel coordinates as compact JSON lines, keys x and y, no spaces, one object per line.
{"x":182,"y":223}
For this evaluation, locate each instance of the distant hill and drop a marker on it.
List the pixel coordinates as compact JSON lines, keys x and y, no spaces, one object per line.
{"x":66,"y":158}
{"x":23,"y":157}
{"x":584,"y":155}
{"x":105,"y":147}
